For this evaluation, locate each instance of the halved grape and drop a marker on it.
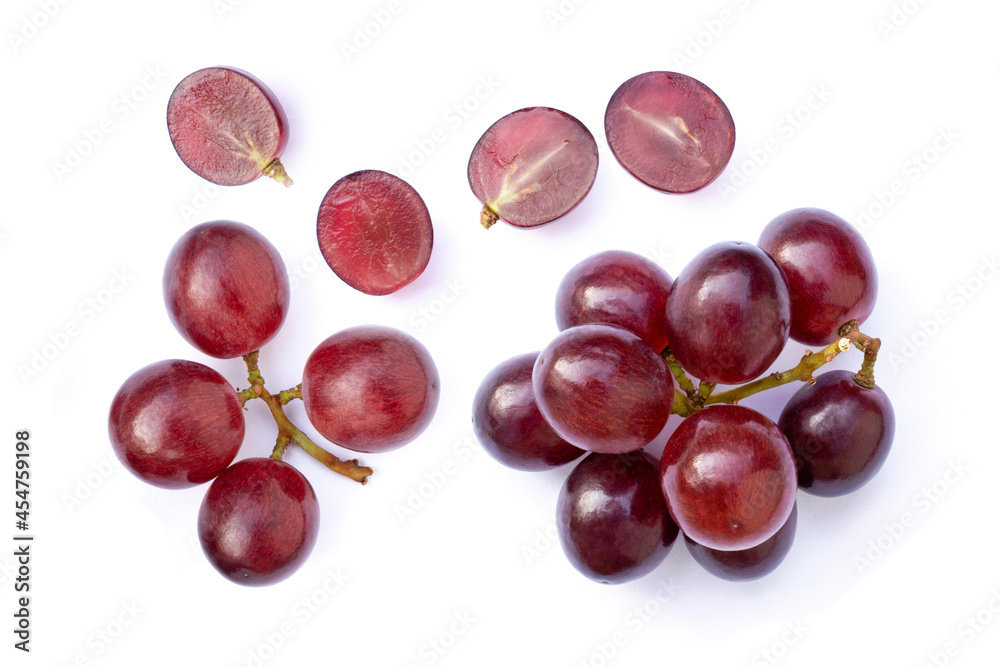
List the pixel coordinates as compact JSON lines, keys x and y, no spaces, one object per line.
{"x":603,"y":389}
{"x":728,"y":475}
{"x":840,"y":433}
{"x":831,"y":274}
{"x":670,"y":131}
{"x":611,"y":518}
{"x":258,"y":521}
{"x":226,"y":288}
{"x":228,"y":127}
{"x":508,"y":424}
{"x":370,"y":388}
{"x":176,"y":424}
{"x":728,"y":313}
{"x":747,"y":564}
{"x":532,"y":166}
{"x":374,"y":231}
{"x":616,"y":287}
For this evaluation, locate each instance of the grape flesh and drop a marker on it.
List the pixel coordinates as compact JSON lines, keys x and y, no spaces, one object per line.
{"x":831,"y":273}
{"x":226,"y":289}
{"x":227,"y":126}
{"x":670,"y":131}
{"x":370,"y":388}
{"x":375,"y":232}
{"x":728,"y":313}
{"x":611,"y":518}
{"x":532,"y":166}
{"x":603,"y":389}
{"x":616,"y":287}
{"x":840,"y":432}
{"x":728,"y":475}
{"x":747,"y":564}
{"x":176,"y":424}
{"x":258,"y":521}
{"x":507,"y":422}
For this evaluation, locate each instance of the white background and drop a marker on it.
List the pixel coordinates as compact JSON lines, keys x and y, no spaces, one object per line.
{"x":835,"y":106}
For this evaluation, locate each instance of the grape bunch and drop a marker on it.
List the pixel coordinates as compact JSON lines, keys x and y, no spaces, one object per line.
{"x":177,"y":424}
{"x":633,"y":342}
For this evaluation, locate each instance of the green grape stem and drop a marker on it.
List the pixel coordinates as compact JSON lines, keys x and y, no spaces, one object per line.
{"x":688,"y":400}
{"x":288,"y":433}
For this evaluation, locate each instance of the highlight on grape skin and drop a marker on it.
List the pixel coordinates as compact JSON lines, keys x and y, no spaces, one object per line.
{"x":228,"y":127}
{"x":670,"y":131}
{"x":375,"y":232}
{"x":532,"y":166}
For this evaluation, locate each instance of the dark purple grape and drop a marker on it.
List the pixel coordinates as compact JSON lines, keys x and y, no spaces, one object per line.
{"x":670,"y":131}
{"x":258,"y":522}
{"x":747,"y":564}
{"x":728,"y":475}
{"x":176,"y":424}
{"x":532,"y":166}
{"x":611,"y":518}
{"x":603,"y":389}
{"x":728,"y":313}
{"x":508,"y":424}
{"x":228,"y":127}
{"x":831,"y":273}
{"x":226,"y":289}
{"x":840,"y":433}
{"x":375,"y":232}
{"x":616,"y":287}
{"x":370,"y":388}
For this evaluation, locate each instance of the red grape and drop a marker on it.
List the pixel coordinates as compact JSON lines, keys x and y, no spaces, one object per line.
{"x":729,"y":477}
{"x":508,"y":424}
{"x":176,"y":424}
{"x":840,"y":433}
{"x":532,"y":166}
{"x":375,"y":232}
{"x":370,"y":388}
{"x":616,"y":287}
{"x":670,"y":131}
{"x":831,"y":273}
{"x":226,"y":289}
{"x":747,"y":564}
{"x":728,"y":313}
{"x":258,"y":521}
{"x":603,"y":389}
{"x":227,"y":126}
{"x":611,"y":518}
